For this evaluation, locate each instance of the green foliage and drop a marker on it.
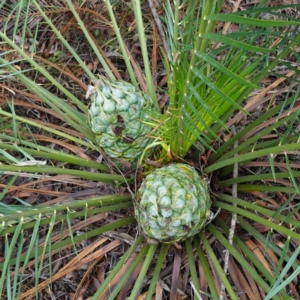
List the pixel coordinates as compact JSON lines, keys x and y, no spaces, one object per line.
{"x":215,"y":80}
{"x":210,"y":75}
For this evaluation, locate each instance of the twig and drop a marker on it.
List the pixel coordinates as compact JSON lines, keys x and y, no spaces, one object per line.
{"x":236,"y":7}
{"x":233,"y":219}
{"x":159,"y":26}
{"x":26,"y":175}
{"x":195,"y":291}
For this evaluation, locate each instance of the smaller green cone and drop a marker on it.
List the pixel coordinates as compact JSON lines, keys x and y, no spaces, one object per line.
{"x":118,"y":115}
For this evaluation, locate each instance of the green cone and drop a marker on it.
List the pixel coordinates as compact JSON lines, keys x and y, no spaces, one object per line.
{"x":118,"y":114}
{"x":172,"y":203}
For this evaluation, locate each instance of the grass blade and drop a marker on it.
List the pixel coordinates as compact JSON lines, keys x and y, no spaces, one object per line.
{"x":159,"y":265}
{"x":139,"y":281}
{"x":9,"y":251}
{"x":278,"y":287}
{"x":250,"y":21}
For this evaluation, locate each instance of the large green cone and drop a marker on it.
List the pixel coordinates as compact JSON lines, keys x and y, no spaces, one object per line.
{"x":172,"y":203}
{"x":118,"y":115}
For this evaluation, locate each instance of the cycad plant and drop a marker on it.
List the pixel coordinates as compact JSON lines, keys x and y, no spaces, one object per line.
{"x":212,"y":180}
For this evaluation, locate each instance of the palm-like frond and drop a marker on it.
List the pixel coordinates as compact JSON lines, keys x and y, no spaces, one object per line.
{"x":208,"y":85}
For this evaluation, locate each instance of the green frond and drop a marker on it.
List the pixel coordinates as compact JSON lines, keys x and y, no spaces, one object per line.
{"x":211,"y":256}
{"x":156,"y":272}
{"x":119,"y":265}
{"x":137,"y":286}
{"x":220,"y":83}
